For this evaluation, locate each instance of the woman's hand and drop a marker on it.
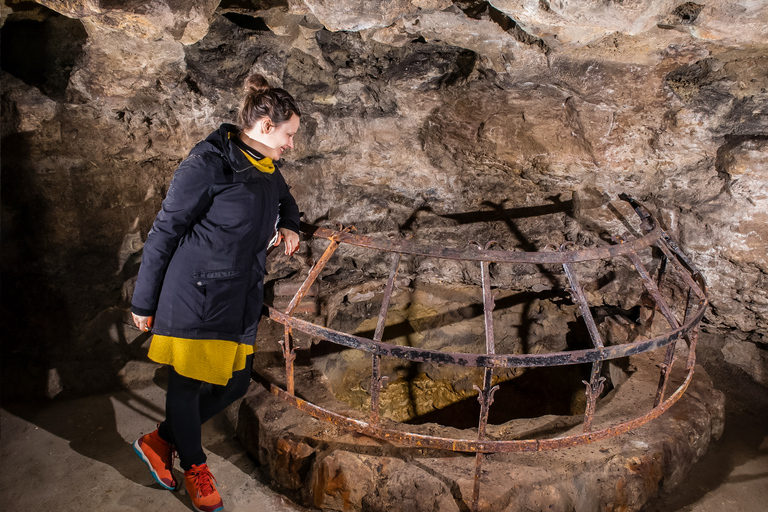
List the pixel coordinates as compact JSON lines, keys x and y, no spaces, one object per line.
{"x":291,"y":240}
{"x":144,"y":323}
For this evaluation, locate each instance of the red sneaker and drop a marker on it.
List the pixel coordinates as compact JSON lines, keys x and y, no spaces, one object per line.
{"x":203,"y":489}
{"x":158,"y":456}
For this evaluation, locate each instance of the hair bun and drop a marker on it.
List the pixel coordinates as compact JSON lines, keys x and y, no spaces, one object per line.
{"x":256,"y":84}
{"x":261,"y":100}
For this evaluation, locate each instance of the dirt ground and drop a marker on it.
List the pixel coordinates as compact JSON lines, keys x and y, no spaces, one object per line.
{"x":75,"y":455}
{"x":733,"y":475}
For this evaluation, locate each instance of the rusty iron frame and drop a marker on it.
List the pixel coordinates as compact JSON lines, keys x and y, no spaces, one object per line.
{"x":654,"y":236}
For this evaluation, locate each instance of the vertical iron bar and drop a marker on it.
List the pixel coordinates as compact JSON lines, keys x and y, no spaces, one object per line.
{"x":376,"y":379}
{"x":687,"y":314}
{"x":289,"y":351}
{"x":688,"y":305}
{"x":662,"y":270}
{"x":488,"y":305}
{"x":376,"y":384}
{"x":596,"y":382}
{"x":691,"y":361}
{"x":667,"y":245}
{"x":485,"y":395}
{"x":667,"y":240}
{"x":581,"y":300}
{"x":685,"y":274}
{"x":314,"y":272}
{"x":666,"y":366}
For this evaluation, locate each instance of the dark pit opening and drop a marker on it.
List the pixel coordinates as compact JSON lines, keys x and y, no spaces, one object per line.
{"x":42,"y":53}
{"x":247,"y":22}
{"x":537,"y":392}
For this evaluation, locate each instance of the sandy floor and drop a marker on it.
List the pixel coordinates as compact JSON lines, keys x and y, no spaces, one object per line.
{"x":76,"y":455}
{"x":733,"y":475}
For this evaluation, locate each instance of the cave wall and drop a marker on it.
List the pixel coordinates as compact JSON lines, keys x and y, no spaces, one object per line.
{"x":414,"y":114}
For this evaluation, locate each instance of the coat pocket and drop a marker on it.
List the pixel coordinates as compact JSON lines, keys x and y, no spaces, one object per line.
{"x":218,"y":274}
{"x":223,"y":298}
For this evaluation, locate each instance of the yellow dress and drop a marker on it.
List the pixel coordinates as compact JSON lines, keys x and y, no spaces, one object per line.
{"x":211,"y":361}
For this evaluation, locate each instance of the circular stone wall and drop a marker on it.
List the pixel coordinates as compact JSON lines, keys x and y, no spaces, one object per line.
{"x":332,"y":469}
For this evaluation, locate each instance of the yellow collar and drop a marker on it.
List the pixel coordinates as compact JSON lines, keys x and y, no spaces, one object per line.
{"x":264,"y":165}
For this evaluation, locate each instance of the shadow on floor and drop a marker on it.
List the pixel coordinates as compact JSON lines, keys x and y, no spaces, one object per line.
{"x":89,"y":425}
{"x":743,"y":439}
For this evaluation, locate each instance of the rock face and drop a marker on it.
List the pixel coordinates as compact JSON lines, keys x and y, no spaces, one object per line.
{"x":420,"y":117}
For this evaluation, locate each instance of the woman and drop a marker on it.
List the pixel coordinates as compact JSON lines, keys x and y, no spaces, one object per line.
{"x":200,"y":285}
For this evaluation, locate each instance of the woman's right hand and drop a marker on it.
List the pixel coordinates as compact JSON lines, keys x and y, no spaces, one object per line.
{"x":144,"y":323}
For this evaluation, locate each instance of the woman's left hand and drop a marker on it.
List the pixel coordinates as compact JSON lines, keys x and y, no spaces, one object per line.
{"x":291,"y":240}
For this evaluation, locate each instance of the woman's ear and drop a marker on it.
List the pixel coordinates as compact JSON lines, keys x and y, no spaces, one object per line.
{"x":267,"y":126}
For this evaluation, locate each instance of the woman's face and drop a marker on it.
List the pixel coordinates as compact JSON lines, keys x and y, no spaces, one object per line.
{"x":274,"y":139}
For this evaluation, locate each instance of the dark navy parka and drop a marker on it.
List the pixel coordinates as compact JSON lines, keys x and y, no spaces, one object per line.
{"x":202,"y":268}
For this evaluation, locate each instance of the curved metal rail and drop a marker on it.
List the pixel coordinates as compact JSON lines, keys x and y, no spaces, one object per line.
{"x":654,"y":236}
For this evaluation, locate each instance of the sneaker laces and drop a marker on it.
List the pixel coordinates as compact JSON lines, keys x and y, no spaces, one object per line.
{"x":204,"y":480}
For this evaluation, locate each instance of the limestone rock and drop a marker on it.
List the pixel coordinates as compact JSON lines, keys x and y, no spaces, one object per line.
{"x":354,"y":15}
{"x":749,"y":357}
{"x":137,"y":42}
{"x":484,"y":37}
{"x":563,"y":24}
{"x":186,"y":22}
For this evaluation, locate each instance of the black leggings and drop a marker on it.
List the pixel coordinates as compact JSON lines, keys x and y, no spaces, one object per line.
{"x":189,"y":403}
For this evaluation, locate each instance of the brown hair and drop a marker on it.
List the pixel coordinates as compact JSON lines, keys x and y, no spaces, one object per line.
{"x":261,"y":101}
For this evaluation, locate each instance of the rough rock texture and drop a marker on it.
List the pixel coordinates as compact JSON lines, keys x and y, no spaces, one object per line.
{"x":576,"y":24}
{"x":420,"y":117}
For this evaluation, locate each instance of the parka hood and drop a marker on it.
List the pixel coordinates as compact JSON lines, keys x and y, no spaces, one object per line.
{"x":222,"y":142}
